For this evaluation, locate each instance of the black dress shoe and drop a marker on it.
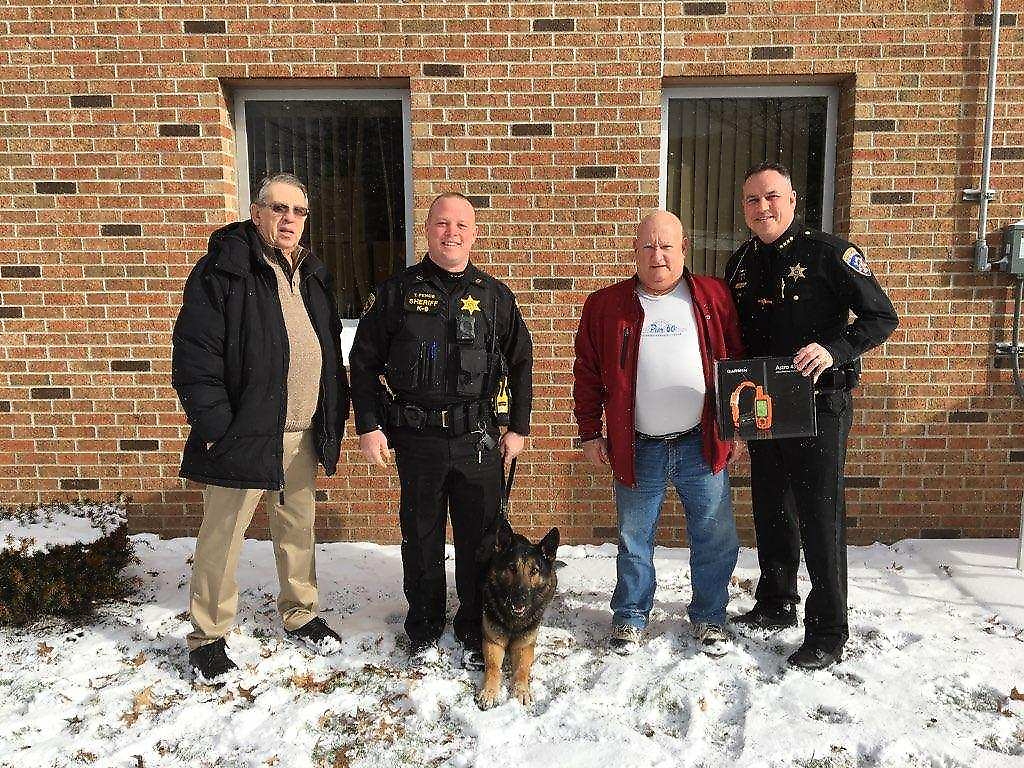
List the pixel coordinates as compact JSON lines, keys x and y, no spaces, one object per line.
{"x":768,"y":617}
{"x":210,"y":663}
{"x":472,"y":659}
{"x":317,"y":636}
{"x":811,"y":658}
{"x":420,"y":648}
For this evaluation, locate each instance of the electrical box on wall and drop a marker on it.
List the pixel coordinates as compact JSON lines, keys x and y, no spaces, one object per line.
{"x":1012,"y":260}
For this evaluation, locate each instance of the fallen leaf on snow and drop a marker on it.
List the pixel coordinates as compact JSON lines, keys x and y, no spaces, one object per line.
{"x":139,"y":660}
{"x":44,"y":650}
{"x":140,"y":703}
{"x":312,"y":685}
{"x":246,"y":693}
{"x":143,"y":701}
{"x":1016,"y":695}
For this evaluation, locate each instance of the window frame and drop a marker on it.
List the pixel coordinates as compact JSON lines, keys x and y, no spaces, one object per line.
{"x":831,"y":92}
{"x":241,"y":96}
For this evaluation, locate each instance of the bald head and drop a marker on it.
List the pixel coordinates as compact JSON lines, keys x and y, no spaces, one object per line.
{"x":660,"y":247}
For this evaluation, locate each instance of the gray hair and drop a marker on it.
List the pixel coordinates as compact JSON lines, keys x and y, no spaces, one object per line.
{"x":263,"y":194}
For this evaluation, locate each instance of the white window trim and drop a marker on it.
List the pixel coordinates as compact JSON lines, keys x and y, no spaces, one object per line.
{"x":831,"y":92}
{"x":243,"y":95}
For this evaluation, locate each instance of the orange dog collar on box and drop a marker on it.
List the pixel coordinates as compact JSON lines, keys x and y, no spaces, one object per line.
{"x":762,"y":410}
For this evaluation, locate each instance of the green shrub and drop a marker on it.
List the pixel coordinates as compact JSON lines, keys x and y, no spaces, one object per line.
{"x":66,"y":577}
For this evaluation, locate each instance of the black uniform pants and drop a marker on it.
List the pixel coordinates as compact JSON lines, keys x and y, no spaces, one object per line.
{"x":443,"y":476}
{"x":797,"y":487}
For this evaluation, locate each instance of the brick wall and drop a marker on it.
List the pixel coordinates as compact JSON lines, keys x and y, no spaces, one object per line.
{"x":117,"y":161}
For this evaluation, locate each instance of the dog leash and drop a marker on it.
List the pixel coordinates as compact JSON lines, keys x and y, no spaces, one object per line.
{"x":507,"y":489}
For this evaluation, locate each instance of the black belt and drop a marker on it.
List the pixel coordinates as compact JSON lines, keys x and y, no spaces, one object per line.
{"x":837,"y":380}
{"x":458,"y":419}
{"x":669,"y":436}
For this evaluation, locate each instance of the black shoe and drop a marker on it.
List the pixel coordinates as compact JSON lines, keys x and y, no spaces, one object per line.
{"x":210,"y":664}
{"x":317,"y":636}
{"x":472,"y":655}
{"x":768,"y":618}
{"x":811,"y":658}
{"x":419,"y":650}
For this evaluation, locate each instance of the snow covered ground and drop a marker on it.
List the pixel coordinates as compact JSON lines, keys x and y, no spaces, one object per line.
{"x":933,"y":675}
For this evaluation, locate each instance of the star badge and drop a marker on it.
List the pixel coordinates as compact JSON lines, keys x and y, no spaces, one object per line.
{"x":470,"y":305}
{"x":797,"y":271}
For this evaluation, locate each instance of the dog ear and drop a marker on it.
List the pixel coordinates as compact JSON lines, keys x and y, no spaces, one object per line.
{"x":504,"y":536}
{"x":549,"y":545}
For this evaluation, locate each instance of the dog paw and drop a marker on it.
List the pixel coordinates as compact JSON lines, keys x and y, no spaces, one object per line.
{"x":522,"y":695}
{"x":485,"y":699}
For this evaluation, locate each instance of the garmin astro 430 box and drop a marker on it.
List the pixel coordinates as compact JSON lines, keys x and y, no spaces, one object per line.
{"x":763,"y":398}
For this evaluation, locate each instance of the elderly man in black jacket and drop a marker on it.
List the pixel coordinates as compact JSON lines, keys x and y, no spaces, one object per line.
{"x":257,"y":365}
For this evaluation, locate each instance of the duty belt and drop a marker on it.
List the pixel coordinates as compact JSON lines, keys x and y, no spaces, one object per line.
{"x":458,"y":419}
{"x":837,"y":380}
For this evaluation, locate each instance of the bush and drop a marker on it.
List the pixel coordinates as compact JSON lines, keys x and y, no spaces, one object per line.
{"x":61,"y":559}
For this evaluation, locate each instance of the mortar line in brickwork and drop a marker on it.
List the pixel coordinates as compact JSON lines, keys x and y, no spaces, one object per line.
{"x":663,"y":51}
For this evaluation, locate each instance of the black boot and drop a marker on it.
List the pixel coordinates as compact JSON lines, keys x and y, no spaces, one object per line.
{"x":770,"y":618}
{"x":811,"y":658}
{"x":210,"y":664}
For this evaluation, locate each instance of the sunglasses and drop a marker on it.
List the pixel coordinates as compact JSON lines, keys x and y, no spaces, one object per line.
{"x":281,"y":209}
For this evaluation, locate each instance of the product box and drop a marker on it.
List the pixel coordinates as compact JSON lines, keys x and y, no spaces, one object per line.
{"x":763,"y":398}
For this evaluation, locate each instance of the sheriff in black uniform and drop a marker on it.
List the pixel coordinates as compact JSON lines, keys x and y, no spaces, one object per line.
{"x":446,"y":338}
{"x":794,"y":289}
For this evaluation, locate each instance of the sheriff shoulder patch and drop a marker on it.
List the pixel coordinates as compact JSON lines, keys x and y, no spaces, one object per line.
{"x":855,"y":260}
{"x":368,"y":304}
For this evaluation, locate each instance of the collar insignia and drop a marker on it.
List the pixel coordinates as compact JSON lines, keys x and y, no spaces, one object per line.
{"x":368,"y":305}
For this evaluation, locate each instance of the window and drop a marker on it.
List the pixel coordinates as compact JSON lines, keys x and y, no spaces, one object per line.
{"x":711,"y":136}
{"x":351,"y":148}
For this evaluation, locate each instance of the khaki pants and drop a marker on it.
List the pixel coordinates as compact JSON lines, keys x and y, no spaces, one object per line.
{"x":227,"y":512}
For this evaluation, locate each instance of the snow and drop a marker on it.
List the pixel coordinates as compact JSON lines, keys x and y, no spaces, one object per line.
{"x":932,"y":676}
{"x":40,"y":529}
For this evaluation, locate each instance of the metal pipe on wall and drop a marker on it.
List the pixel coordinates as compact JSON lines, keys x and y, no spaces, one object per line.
{"x":980,"y":246}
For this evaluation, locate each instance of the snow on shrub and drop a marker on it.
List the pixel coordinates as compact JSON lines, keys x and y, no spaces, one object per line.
{"x":61,"y":558}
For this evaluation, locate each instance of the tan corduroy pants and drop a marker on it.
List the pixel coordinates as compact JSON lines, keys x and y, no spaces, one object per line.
{"x":227,"y":512}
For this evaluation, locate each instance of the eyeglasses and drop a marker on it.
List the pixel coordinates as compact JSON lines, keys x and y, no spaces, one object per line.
{"x":281,"y":209}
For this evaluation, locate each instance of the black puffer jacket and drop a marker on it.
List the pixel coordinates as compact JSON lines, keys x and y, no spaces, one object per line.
{"x":230,"y":364}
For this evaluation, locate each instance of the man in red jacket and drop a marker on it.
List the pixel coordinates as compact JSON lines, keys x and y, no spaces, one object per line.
{"x":645,"y":350}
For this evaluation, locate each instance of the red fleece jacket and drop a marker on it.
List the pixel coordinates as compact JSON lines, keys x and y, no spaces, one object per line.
{"x":604,"y":374}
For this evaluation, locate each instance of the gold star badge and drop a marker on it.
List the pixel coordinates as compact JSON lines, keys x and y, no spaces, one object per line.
{"x":470,"y":305}
{"x":797,"y":271}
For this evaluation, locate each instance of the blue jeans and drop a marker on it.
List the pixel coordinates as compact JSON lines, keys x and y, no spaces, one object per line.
{"x":710,"y":530}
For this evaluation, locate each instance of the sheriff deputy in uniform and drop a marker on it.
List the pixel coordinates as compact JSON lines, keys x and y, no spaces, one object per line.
{"x":440,"y":360}
{"x":794,"y":289}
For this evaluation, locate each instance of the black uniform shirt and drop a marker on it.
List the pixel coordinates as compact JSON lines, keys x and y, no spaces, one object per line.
{"x":409,"y":309}
{"x":801,"y":289}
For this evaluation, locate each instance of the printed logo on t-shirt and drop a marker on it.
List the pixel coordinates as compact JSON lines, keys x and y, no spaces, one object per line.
{"x":662,"y":328}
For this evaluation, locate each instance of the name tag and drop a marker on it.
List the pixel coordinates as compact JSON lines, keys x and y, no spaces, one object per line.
{"x":422,"y":301}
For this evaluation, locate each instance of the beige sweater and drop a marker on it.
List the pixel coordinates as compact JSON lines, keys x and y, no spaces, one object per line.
{"x":305,"y":358}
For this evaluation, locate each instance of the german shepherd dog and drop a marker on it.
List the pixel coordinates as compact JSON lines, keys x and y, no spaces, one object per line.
{"x":518,"y":585}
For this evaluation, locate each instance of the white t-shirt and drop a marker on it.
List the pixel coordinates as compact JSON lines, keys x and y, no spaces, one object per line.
{"x":670,"y":375}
